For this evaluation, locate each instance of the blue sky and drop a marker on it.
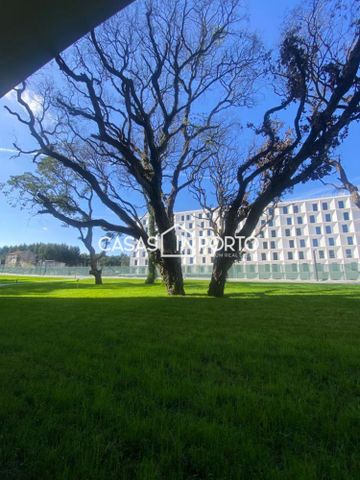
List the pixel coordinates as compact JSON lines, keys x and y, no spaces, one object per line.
{"x":17,"y":226}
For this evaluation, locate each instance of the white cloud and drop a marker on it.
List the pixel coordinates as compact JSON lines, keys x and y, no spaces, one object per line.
{"x":33,"y":100}
{"x":7,"y":150}
{"x":10,"y":96}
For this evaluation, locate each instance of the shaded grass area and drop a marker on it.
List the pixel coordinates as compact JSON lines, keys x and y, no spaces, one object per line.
{"x":121,"y":382}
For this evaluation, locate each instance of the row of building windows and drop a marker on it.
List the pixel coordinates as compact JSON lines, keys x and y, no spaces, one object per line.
{"x":298,"y":232}
{"x":314,"y":206}
{"x":288,"y":221}
{"x":275,"y":256}
{"x":285,"y":210}
{"x":300,"y":255}
{"x":300,"y":220}
{"x":302,"y":243}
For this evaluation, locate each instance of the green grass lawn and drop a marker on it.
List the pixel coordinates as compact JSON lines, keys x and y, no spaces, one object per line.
{"x":121,"y":382}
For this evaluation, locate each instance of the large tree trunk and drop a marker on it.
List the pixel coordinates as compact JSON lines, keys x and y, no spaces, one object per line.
{"x":219,"y":274}
{"x":151,"y":274}
{"x":95,"y":270}
{"x":171,"y":272}
{"x":97,"y":275}
{"x":168,"y":257}
{"x":225,"y":258}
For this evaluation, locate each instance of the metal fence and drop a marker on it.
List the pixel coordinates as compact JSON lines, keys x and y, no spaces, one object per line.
{"x":245,"y":271}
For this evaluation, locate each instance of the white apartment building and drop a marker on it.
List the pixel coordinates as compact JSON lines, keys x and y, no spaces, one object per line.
{"x":315,"y":230}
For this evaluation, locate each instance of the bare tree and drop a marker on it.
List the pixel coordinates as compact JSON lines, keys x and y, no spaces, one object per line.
{"x":146,"y":92}
{"x":316,"y":77}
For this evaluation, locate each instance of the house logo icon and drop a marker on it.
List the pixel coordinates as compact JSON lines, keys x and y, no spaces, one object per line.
{"x":185,"y":242}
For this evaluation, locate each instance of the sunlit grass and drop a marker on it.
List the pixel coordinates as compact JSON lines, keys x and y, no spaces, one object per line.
{"x":121,"y":382}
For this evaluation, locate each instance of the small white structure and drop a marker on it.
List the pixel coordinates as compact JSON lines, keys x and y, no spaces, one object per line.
{"x":20,"y":258}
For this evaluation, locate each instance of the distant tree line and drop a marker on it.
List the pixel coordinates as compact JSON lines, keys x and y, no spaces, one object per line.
{"x":60,"y":252}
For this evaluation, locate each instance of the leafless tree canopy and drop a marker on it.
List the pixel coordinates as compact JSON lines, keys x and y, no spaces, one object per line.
{"x":146,"y":92}
{"x":316,"y":80}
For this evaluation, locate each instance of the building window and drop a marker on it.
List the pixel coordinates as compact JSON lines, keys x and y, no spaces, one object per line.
{"x":350,"y":240}
{"x":273,"y":233}
{"x":341,"y":204}
{"x":263,"y":256}
{"x":328,"y":217}
{"x":298,"y":232}
{"x":275,"y":256}
{"x":315,"y":242}
{"x":287,"y":232}
{"x":285,"y":210}
{"x":295,"y":209}
{"x":290,"y":255}
{"x":288,"y":221}
{"x":182,"y":218}
{"x":271,"y":223}
{"x":325,"y":206}
{"x":318,"y":230}
{"x":191,"y":260}
{"x":345,"y":228}
{"x":248,"y":257}
{"x":299,"y":220}
{"x":291,"y":244}
{"x":312,"y":219}
{"x":346,"y":216}
{"x":301,"y":256}
{"x":261,"y":234}
{"x":331,"y":241}
{"x":272,"y":245}
{"x":187,"y":217}
{"x":265,"y":245}
{"x":315,"y":207}
{"x":328,"y":229}
{"x":302,"y":243}
{"x":201,"y":233}
{"x":321,"y":254}
{"x":348,"y":253}
{"x":331,"y":254}
{"x":203,"y":259}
